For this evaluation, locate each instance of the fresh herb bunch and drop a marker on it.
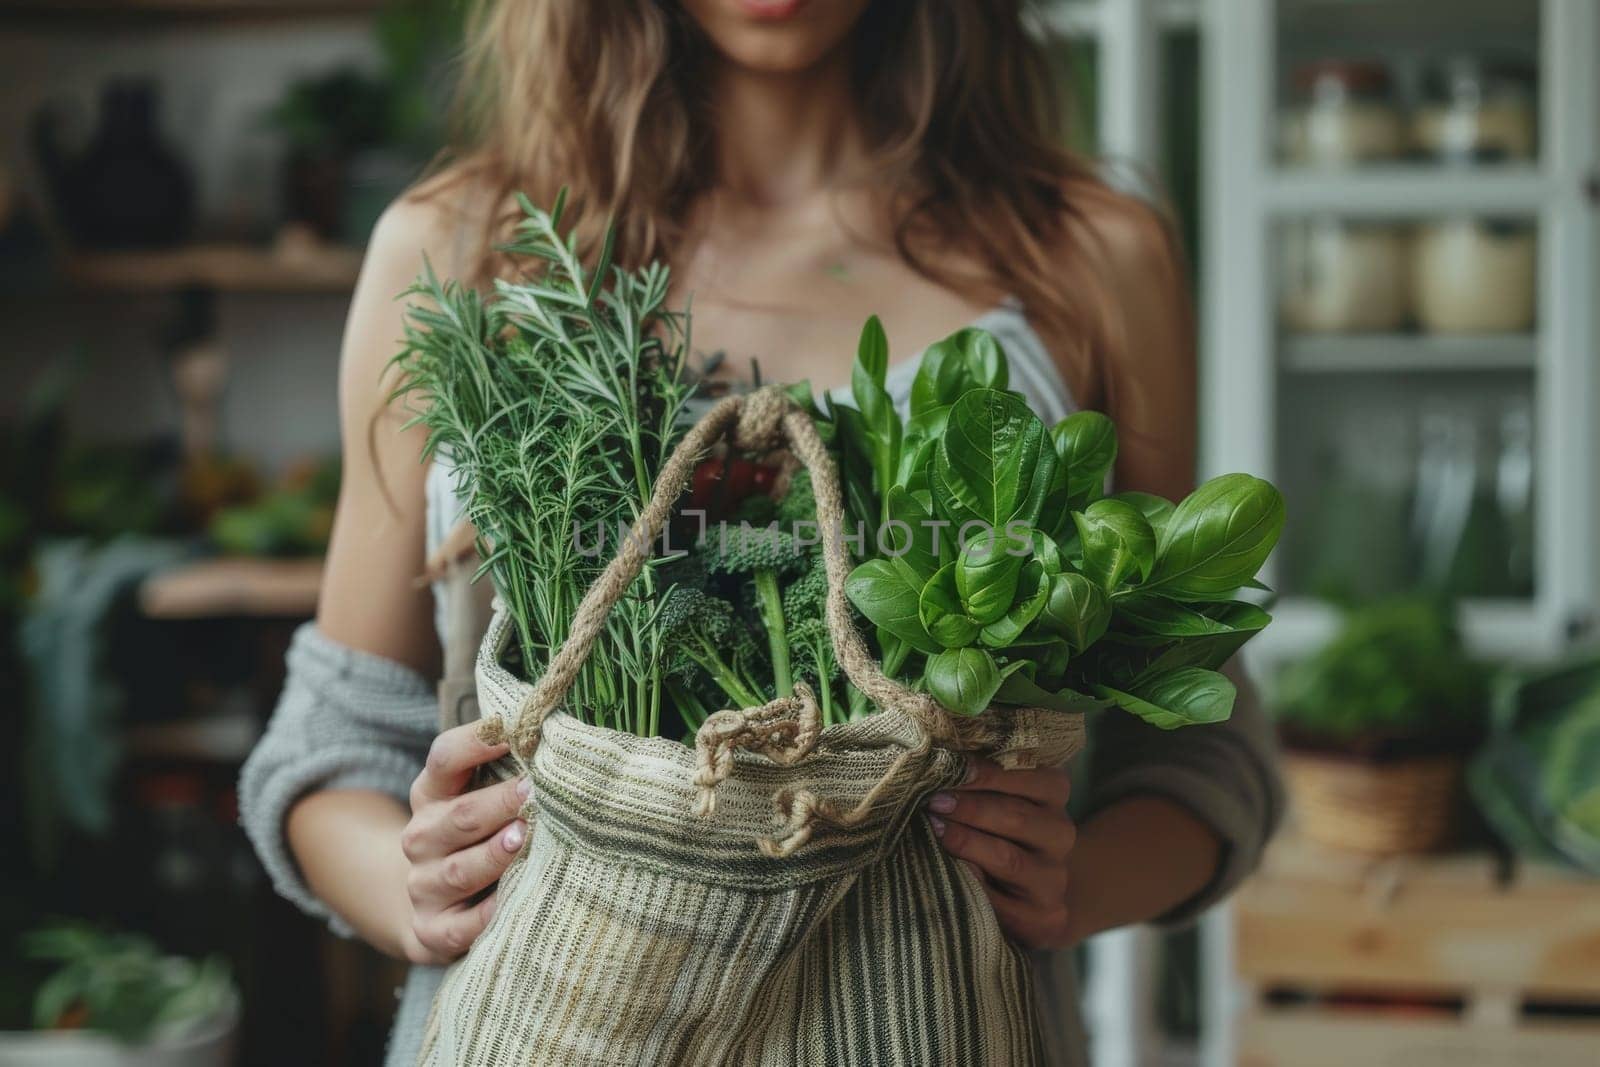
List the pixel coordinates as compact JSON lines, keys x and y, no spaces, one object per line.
{"x":557,"y":399}
{"x":1396,"y":671}
{"x":1011,"y":578}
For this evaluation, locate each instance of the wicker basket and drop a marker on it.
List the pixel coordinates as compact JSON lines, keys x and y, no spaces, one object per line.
{"x":1381,"y":807}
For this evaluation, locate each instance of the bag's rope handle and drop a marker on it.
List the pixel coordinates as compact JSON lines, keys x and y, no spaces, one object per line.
{"x":759,"y":421}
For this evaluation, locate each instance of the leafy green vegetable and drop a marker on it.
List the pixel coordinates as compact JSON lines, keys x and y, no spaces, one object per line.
{"x":763,"y":554}
{"x":1217,"y":539}
{"x":994,"y":464}
{"x":889,"y":592}
{"x":1117,"y":541}
{"x":1086,"y":441}
{"x":1076,"y":609}
{"x":986,"y":575}
{"x":1019,"y":581}
{"x":1183,"y":697}
{"x":964,"y":680}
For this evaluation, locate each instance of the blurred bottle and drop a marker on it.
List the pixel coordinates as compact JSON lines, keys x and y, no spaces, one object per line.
{"x":1477,"y":110}
{"x":1344,"y":114}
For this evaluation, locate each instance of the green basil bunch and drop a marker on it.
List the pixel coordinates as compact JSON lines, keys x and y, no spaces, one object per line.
{"x":996,"y":569}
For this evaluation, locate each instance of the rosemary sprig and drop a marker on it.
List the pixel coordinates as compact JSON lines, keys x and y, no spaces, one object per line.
{"x":556,"y":399}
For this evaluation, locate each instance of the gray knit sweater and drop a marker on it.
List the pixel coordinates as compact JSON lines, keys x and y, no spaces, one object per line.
{"x":346,"y":720}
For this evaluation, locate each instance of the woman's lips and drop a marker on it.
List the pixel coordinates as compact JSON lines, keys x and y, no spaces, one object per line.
{"x":771,"y":9}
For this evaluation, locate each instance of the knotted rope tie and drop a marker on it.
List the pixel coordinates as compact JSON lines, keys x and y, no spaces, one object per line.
{"x":784,"y":730}
{"x":800,"y":810}
{"x":760,"y":425}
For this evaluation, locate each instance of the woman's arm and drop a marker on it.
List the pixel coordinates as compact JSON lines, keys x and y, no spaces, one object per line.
{"x":380,"y":828}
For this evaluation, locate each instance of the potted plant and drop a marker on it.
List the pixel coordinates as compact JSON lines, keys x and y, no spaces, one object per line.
{"x":115,"y":1000}
{"x":1377,"y":725}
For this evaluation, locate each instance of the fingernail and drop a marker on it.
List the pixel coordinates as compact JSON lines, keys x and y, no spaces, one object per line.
{"x":937,"y":824}
{"x":524,"y":785}
{"x":943,"y":803}
{"x":512,"y":838}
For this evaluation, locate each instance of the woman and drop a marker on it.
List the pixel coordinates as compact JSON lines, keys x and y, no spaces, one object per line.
{"x":801,"y":164}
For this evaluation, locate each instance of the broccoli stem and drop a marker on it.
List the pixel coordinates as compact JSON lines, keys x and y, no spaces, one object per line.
{"x":726,"y":677}
{"x":769,"y":602}
{"x":690,"y":707}
{"x":826,"y":693}
{"x":858,"y":702}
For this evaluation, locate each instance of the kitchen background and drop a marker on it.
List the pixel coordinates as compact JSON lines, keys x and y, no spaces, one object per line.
{"x":1392,"y":211}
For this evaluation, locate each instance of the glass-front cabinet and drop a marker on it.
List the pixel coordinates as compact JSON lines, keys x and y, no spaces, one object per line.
{"x":1400,"y":279}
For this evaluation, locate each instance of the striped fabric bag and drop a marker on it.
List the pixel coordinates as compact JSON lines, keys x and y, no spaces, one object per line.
{"x":772,"y":896}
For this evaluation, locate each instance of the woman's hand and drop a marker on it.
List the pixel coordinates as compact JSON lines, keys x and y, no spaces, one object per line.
{"x":458,"y":843}
{"x":1013,"y":827}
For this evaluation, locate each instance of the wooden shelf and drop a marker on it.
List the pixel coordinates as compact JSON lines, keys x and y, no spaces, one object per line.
{"x":63,"y":10}
{"x":1401,"y":352}
{"x":225,"y":267}
{"x":234,"y":588}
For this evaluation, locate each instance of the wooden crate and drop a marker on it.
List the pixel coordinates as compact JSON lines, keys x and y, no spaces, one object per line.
{"x":1453,"y":949}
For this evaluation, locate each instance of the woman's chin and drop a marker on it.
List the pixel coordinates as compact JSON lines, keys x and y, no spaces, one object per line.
{"x":775,"y":36}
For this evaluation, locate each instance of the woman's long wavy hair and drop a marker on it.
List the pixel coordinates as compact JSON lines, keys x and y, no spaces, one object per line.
{"x":959,"y":104}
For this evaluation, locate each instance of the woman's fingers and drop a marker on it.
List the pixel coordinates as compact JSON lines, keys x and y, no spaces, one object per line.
{"x":453,"y":878}
{"x":1049,"y":786}
{"x":445,"y":936}
{"x":1003,"y":861}
{"x":1023,"y":821}
{"x":1033,"y":924}
{"x":445,"y":826}
{"x":454,"y":755}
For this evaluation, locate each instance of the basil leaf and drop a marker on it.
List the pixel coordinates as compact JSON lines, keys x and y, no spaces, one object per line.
{"x":966,"y":360}
{"x":1184,"y":697}
{"x":1047,"y":552}
{"x":1008,"y":628}
{"x":1116,"y":540}
{"x":987,"y":572}
{"x":921,"y":437}
{"x":994,"y":464}
{"x":913,"y":542}
{"x":1017,"y":688}
{"x":1217,"y":539}
{"x":962,"y":679}
{"x":1086,"y":441}
{"x":941,"y":612}
{"x":1075,"y":609}
{"x":1155,"y":509}
{"x":1150,"y":618}
{"x":887,"y":592}
{"x":872,"y":399}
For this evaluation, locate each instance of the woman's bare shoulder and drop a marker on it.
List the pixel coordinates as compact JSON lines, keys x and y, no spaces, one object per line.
{"x":438,"y":224}
{"x":1130,"y":238}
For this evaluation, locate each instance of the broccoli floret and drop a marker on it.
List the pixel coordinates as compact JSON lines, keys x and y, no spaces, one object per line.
{"x":805,"y":610}
{"x":799,"y":504}
{"x":763,"y":554}
{"x":696,"y":627}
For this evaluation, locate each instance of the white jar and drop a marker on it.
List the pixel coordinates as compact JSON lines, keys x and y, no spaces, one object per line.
{"x":1344,"y":277}
{"x":1475,"y":276}
{"x":1477,"y":112}
{"x":1345,"y":115}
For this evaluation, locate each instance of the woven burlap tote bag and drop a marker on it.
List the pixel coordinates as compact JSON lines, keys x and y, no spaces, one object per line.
{"x":773,"y":895}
